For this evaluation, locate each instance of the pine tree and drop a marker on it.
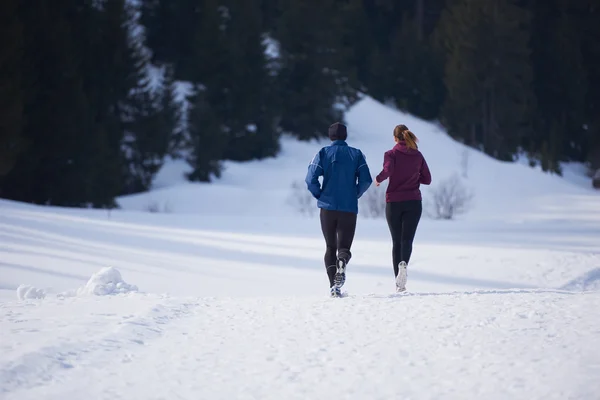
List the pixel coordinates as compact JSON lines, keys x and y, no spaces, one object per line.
{"x":77,"y":72}
{"x":489,"y":99}
{"x":590,"y":38}
{"x":118,"y":71}
{"x":314,"y":85}
{"x":52,"y":170}
{"x":206,"y":139}
{"x":271,"y":12}
{"x":170,"y":27}
{"x":394,"y":53}
{"x":153,"y":120}
{"x":252,"y":109}
{"x":11,"y":91}
{"x":232,"y":71}
{"x":560,"y":85}
{"x":356,"y":42}
{"x":172,"y":114}
{"x":416,"y":76}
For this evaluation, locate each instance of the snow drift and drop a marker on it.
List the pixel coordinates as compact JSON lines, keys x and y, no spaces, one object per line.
{"x":107,"y":281}
{"x":29,"y":292}
{"x":588,"y":282}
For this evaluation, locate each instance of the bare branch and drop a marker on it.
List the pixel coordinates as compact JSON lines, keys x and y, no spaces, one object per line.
{"x":449,"y":198}
{"x":301,"y":199}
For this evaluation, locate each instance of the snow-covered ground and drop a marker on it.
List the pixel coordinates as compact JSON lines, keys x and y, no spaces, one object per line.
{"x":223,"y":295}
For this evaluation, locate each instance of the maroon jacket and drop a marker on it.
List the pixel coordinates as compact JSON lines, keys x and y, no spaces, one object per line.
{"x":407,"y":170}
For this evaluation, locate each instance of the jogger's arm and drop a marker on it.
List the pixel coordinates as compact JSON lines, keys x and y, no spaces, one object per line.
{"x":315,"y":169}
{"x":363,"y":175}
{"x":388,"y":167}
{"x":425,"y":177}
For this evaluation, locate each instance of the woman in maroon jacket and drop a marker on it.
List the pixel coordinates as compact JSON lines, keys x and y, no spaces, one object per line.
{"x":407,"y":169}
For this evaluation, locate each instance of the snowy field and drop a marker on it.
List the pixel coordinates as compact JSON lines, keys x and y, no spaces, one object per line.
{"x":222,"y":293}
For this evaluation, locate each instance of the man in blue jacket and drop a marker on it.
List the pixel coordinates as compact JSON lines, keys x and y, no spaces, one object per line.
{"x":346,"y":178}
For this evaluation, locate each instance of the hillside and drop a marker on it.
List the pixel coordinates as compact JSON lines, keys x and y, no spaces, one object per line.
{"x":222,"y":294}
{"x":501,"y":190}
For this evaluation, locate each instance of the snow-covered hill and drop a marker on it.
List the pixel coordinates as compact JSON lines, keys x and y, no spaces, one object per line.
{"x":501,"y":190}
{"x":223,"y":295}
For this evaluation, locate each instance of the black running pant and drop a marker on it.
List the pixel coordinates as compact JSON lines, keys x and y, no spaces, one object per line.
{"x":338,"y":229}
{"x":403,"y":218}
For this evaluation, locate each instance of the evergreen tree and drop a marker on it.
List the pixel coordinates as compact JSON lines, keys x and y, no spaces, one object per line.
{"x":207,"y":141}
{"x":11,"y":91}
{"x":590,"y":38}
{"x":203,"y":61}
{"x":489,"y":100}
{"x":383,"y":22}
{"x":170,"y":27}
{"x":560,"y":85}
{"x":52,"y":170}
{"x":314,"y":85}
{"x":251,"y":107}
{"x":394,"y":53}
{"x":78,"y":69}
{"x":147,"y":140}
{"x":271,"y":12}
{"x":416,"y":76}
{"x":172,"y":114}
{"x":231,"y":69}
{"x":150,"y":114}
{"x":118,"y":73}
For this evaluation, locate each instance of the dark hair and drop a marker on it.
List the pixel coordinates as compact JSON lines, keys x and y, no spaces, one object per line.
{"x":338,"y":131}
{"x":401,"y":132}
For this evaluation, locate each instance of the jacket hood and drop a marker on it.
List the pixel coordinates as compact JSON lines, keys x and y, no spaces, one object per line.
{"x":401,"y":146}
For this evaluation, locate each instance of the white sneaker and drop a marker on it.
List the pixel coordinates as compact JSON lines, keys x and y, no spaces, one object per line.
{"x":335,"y":291}
{"x":401,"y":278}
{"x":340,"y":273}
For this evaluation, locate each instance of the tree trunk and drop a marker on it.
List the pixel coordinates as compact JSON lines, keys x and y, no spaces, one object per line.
{"x":493,"y":127}
{"x":420,"y":18}
{"x":596,"y":179}
{"x":484,"y":122}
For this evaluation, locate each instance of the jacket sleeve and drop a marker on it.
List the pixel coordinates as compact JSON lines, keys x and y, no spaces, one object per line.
{"x":388,"y":167}
{"x":315,"y":169}
{"x":425,"y":177}
{"x":363,"y":175}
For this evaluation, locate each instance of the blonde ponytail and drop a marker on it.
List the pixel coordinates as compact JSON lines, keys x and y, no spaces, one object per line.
{"x":401,"y":132}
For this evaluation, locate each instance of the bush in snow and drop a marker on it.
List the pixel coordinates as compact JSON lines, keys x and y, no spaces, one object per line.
{"x":372,"y":203}
{"x":29,"y":292}
{"x":105,"y":282}
{"x":596,"y":179}
{"x":154,"y":207}
{"x":301,"y":199}
{"x":448,"y":198}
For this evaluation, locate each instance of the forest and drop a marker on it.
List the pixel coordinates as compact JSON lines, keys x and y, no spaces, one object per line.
{"x":95,"y":95}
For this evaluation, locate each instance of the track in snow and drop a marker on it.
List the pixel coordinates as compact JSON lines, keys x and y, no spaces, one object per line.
{"x":530,"y":344}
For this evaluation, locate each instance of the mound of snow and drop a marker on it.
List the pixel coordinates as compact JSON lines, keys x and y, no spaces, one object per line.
{"x":588,"y":282}
{"x":105,"y":282}
{"x":30,"y":292}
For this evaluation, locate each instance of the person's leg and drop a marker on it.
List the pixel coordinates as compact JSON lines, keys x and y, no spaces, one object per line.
{"x":346,"y":229}
{"x":393,"y":217}
{"x":345,"y":235}
{"x":411,"y":216}
{"x":329,"y":228}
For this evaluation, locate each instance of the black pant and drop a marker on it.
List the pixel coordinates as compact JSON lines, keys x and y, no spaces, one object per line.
{"x":403,"y":218}
{"x":338,"y":229}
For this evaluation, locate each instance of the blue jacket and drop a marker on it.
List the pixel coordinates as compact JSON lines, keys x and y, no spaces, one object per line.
{"x":346,"y":177}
